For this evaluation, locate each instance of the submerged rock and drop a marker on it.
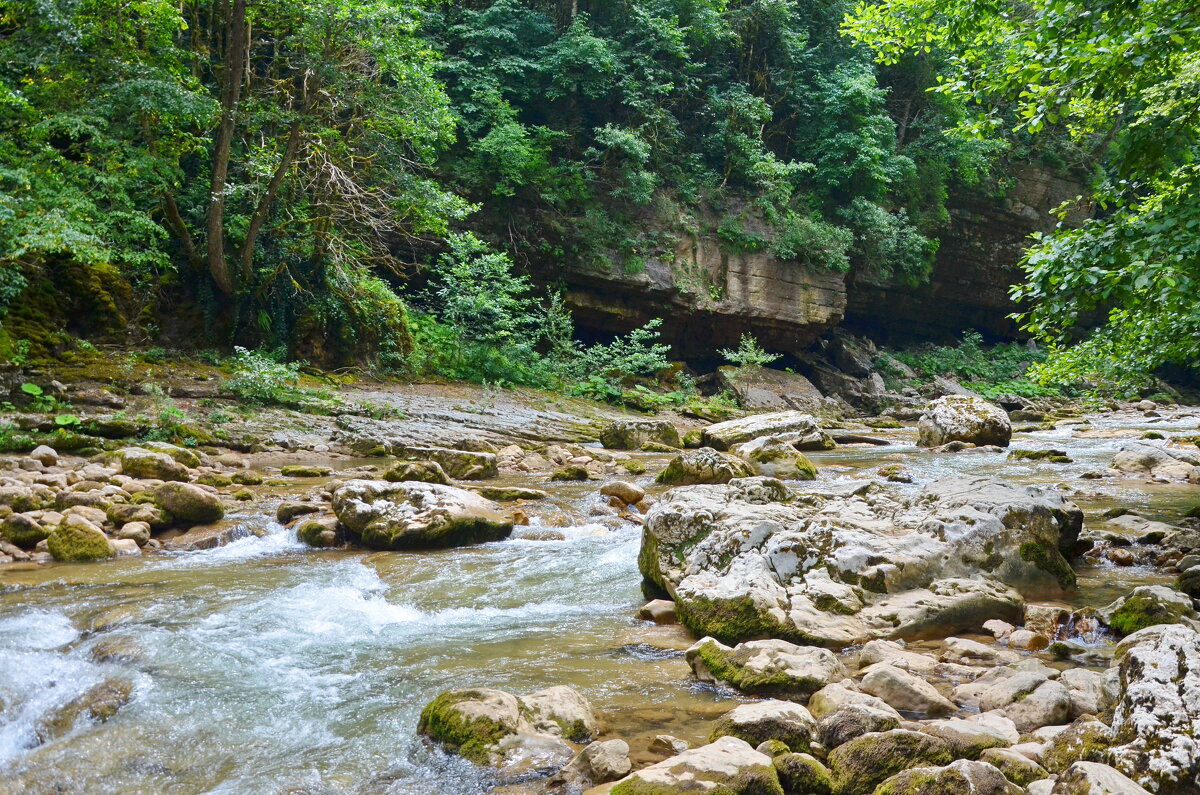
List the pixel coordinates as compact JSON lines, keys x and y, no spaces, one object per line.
{"x":751,"y":559}
{"x":1145,"y":606}
{"x":801,"y":429}
{"x":960,"y":418}
{"x":97,"y":705}
{"x":728,"y":766}
{"x":410,"y":515}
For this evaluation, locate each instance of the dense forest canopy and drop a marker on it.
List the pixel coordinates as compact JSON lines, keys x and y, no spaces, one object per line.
{"x":273,"y":174}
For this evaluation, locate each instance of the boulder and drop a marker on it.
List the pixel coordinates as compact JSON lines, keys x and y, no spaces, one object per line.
{"x":965,"y":776}
{"x":1141,"y":458}
{"x":967,"y":739}
{"x":78,"y":540}
{"x":421,"y":471}
{"x":859,"y":766}
{"x":760,"y":721}
{"x":1092,"y":778}
{"x":1017,"y":768}
{"x":855,"y":720}
{"x":1085,"y":740}
{"x":188,"y":503}
{"x":632,"y":434}
{"x":764,"y":389}
{"x":728,"y":766}
{"x":96,"y":705}
{"x":1146,"y":606}
{"x":904,"y":691}
{"x":848,"y":564}
{"x":1029,"y":699}
{"x":775,"y":457}
{"x":660,"y":611}
{"x":1156,"y":722}
{"x":458,"y":464}
{"x":705,"y":465}
{"x":291,"y":509}
{"x":319,"y":531}
{"x":23,"y":531}
{"x":138,"y":532}
{"x":837,"y":696}
{"x":560,"y":711}
{"x":799,"y":428}
{"x":44,"y":455}
{"x":137,"y":462}
{"x":597,"y":763}
{"x":959,"y":418}
{"x":187,"y":457}
{"x":121,"y":513}
{"x":410,"y":515}
{"x":802,"y":773}
{"x":628,"y":493}
{"x":765,"y":667}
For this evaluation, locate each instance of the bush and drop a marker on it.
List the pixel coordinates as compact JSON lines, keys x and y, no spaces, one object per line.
{"x":261,"y":379}
{"x":990,"y":371}
{"x":749,"y":353}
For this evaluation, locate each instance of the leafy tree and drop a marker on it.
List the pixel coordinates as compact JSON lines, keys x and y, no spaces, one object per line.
{"x":1120,"y":77}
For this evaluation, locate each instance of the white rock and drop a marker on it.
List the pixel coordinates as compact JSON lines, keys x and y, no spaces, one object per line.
{"x":904,"y":691}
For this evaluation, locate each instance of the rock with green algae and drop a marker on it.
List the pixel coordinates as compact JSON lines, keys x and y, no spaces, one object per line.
{"x":774,"y":457}
{"x":963,"y":776}
{"x":121,"y":513}
{"x":77,"y":540}
{"x":860,"y":765}
{"x":413,"y":515}
{"x":1016,"y":767}
{"x":727,"y":766}
{"x":187,"y":457}
{"x":572,"y":472}
{"x":188,"y":503}
{"x":705,"y":465}
{"x":802,"y":773}
{"x":458,"y":464}
{"x":421,"y":471}
{"x":1087,"y":740}
{"x":1146,"y":606}
{"x":509,"y":493}
{"x":762,"y":721}
{"x":137,"y":462}
{"x":247,"y":477}
{"x":633,"y":434}
{"x":21,"y":530}
{"x":304,"y":471}
{"x":765,"y":667}
{"x":320,"y":531}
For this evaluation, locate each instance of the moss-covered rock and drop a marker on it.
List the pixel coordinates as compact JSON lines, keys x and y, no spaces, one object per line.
{"x":963,"y":776}
{"x":633,"y":466}
{"x":692,"y":440}
{"x":187,"y":457}
{"x":728,"y":766}
{"x":572,"y":472}
{"x":509,"y":493}
{"x":23,"y":531}
{"x":216,"y":479}
{"x":802,"y":774}
{"x":1016,"y":767}
{"x":470,"y":722}
{"x":320,"y":531}
{"x":634,"y":434}
{"x":860,"y":765}
{"x":705,"y":465}
{"x":188,"y":503}
{"x":78,"y":540}
{"x":410,"y":515}
{"x":420,"y":471}
{"x":765,"y":667}
{"x":124,"y":512}
{"x":138,"y":462}
{"x":304,"y":471}
{"x":1050,"y":560}
{"x":760,"y":721}
{"x":247,"y":477}
{"x":1085,"y":740}
{"x":1147,"y":606}
{"x":1053,"y":456}
{"x":290,"y":509}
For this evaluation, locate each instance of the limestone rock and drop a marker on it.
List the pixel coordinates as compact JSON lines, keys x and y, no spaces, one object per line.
{"x":1092,"y":778}
{"x":795,"y":426}
{"x":967,"y":739}
{"x":728,"y":765}
{"x":764,"y":389}
{"x":1140,"y":458}
{"x":560,"y":711}
{"x":904,"y":691}
{"x":458,"y":464}
{"x":705,"y":465}
{"x":958,"y":418}
{"x":78,"y":540}
{"x":137,"y":462}
{"x":1146,"y":606}
{"x":422,"y":471}
{"x":1085,"y":740}
{"x":632,"y":434}
{"x":859,"y":766}
{"x":965,"y":776}
{"x":410,"y":514}
{"x":765,"y":667}
{"x":760,"y":721}
{"x":597,"y":763}
{"x":1017,"y":768}
{"x":189,"y":503}
{"x":775,"y":457}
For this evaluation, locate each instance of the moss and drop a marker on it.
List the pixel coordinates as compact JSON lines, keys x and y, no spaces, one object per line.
{"x":243,"y":495}
{"x":658,"y":447}
{"x":1153,"y":435}
{"x":384,"y":534}
{"x":1139,"y":612}
{"x":1051,"y":561}
{"x":1082,"y":741}
{"x":304,"y":471}
{"x":72,"y":543}
{"x":1054,"y":456}
{"x":775,"y":747}
{"x":471,"y":738}
{"x":247,"y":477}
{"x":801,"y":773}
{"x":862,"y":764}
{"x":22,"y":531}
{"x":633,"y":466}
{"x":573,"y":472}
{"x":215,"y":479}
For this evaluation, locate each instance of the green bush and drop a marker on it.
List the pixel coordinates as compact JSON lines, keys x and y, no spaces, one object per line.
{"x":261,"y":379}
{"x":749,"y":353}
{"x":990,"y":371}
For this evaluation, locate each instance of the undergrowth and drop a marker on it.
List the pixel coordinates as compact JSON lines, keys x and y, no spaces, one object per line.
{"x":989,"y":370}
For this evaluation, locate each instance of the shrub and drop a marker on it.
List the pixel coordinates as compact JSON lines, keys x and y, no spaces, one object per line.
{"x":749,"y":353}
{"x":259,"y":378}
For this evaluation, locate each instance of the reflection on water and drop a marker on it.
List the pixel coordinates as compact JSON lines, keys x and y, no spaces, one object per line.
{"x":264,"y":667}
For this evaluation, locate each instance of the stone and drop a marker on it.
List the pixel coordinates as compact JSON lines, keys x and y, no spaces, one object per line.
{"x":140,"y":463}
{"x":855,"y":720}
{"x":959,"y":418}
{"x":1092,"y":778}
{"x":1029,"y":702}
{"x":1086,"y":740}
{"x":775,"y":457}
{"x":837,"y":696}
{"x":667,"y":744}
{"x":1026,"y":640}
{"x":121,"y":513}
{"x":138,"y":532}
{"x":290,"y":509}
{"x":798,"y":427}
{"x":458,"y":464}
{"x":1141,"y":458}
{"x":44,"y":455}
{"x":904,"y":691}
{"x":628,"y":493}
{"x":859,"y":766}
{"x":705,"y":465}
{"x":305,"y":471}
{"x":963,"y":776}
{"x":894,"y":654}
{"x":187,"y":457}
{"x":1046,"y":619}
{"x":728,"y":766}
{"x":560,"y":711}
{"x":247,"y":477}
{"x":597,"y":763}
{"x":573,"y":472}
{"x":22,"y":531}
{"x":847,"y":564}
{"x":410,"y":515}
{"x":1017,"y":768}
{"x":1156,"y":720}
{"x":471,"y":722}
{"x":188,"y":503}
{"x":97,"y":705}
{"x":421,"y":471}
{"x":632,"y":434}
{"x":765,"y":389}
{"x":509,"y":493}
{"x":319,"y":531}
{"x":760,"y":721}
{"x":1086,"y":688}
{"x":1146,"y":606}
{"x":124,"y":547}
{"x":967,"y":739}
{"x":211,"y":536}
{"x":765,"y":667}
{"x":970,"y":652}
{"x":660,"y":611}
{"x":802,"y":773}
{"x":78,"y":540}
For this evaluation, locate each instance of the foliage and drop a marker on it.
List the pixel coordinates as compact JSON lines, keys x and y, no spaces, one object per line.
{"x":1121,"y":79}
{"x":262,"y":379}
{"x":749,"y":353}
{"x":990,"y":371}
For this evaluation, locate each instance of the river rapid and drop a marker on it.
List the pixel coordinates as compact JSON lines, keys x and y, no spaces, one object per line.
{"x":264,"y":666}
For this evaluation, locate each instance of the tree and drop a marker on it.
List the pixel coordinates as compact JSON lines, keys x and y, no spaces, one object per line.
{"x":1122,"y":77}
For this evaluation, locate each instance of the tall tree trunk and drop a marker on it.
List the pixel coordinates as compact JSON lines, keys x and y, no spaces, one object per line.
{"x":231,"y":93}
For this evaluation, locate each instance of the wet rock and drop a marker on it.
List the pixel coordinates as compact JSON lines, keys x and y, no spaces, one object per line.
{"x":705,"y":465}
{"x":1092,"y":778}
{"x":666,"y":744}
{"x":1047,"y":620}
{"x":846,"y":565}
{"x":22,"y":531}
{"x":78,"y":540}
{"x":124,"y":547}
{"x":836,"y":696}
{"x":417,"y":515}
{"x":1146,"y":606}
{"x":597,"y":763}
{"x":859,"y":766}
{"x":1156,"y":722}
{"x":560,"y":711}
{"x":632,"y":434}
{"x":139,"y":532}
{"x":188,"y":503}
{"x":210,"y":536}
{"x":1026,"y":640}
{"x":509,"y":493}
{"x":421,"y":471}
{"x":764,"y":389}
{"x":802,"y":773}
{"x":628,"y":493}
{"x":320,"y":531}
{"x":775,"y":457}
{"x":458,"y":464}
{"x":977,"y":778}
{"x":801,"y":429}
{"x":904,"y":691}
{"x":137,"y":462}
{"x":1085,"y":740}
{"x":573,"y":472}
{"x":765,"y":667}
{"x":729,"y":766}
{"x":97,"y":705}
{"x":958,"y":418}
{"x":854,"y":720}
{"x":289,"y":510}
{"x":1140,"y":458}
{"x":760,"y":721}
{"x":660,"y":611}
{"x":1017,"y":768}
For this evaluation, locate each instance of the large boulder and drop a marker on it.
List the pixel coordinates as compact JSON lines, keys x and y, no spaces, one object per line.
{"x":959,"y":418}
{"x":1093,"y":778}
{"x":765,"y":667}
{"x":775,"y":457}
{"x":1142,"y":458}
{"x":1146,"y":606}
{"x":845,"y":565}
{"x":137,"y":462}
{"x":77,"y":540}
{"x":458,"y":464}
{"x":705,"y":465}
{"x":1156,"y":723}
{"x":764,"y":389}
{"x":414,"y":515}
{"x":796,"y":426}
{"x":632,"y":434}
{"x":977,"y":778}
{"x":727,"y":766}
{"x":865,"y":762}
{"x":21,"y":530}
{"x":188,"y":503}
{"x":757,"y":722}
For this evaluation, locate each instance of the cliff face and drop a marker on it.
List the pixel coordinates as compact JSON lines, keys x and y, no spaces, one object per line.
{"x":976,"y":264}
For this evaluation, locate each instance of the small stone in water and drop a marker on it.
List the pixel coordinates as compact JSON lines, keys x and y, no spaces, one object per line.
{"x":1028,"y":641}
{"x":660,"y":611}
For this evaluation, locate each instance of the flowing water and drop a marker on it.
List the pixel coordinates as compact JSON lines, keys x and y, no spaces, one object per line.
{"x":266,"y":667}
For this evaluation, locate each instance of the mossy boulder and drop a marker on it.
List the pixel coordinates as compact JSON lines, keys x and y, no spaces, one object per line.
{"x":215,"y":479}
{"x":634,"y":434}
{"x":458,"y":464}
{"x":765,"y":667}
{"x":1085,"y":740}
{"x":77,"y":540}
{"x":320,"y":531}
{"x":860,"y":765}
{"x":290,"y":509}
{"x":1053,"y":456}
{"x":247,"y":477}
{"x":760,"y":721}
{"x":122,"y":513}
{"x":963,"y":776}
{"x":509,"y":493}
{"x":727,"y":766}
{"x":188,"y":503}
{"x":304,"y":471}
{"x":774,"y":457}
{"x":1146,"y":606}
{"x":572,"y":472}
{"x":420,"y":471}
{"x":1016,"y":767}
{"x":471,"y":722}
{"x":705,"y":465}
{"x":413,"y":515}
{"x":23,"y":531}
{"x":802,"y":774}
{"x":187,"y":457}
{"x":137,"y":462}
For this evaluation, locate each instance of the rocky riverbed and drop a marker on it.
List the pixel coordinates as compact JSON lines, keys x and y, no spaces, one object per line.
{"x":445,"y":592}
